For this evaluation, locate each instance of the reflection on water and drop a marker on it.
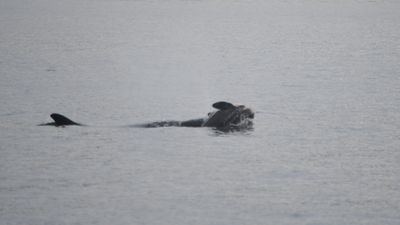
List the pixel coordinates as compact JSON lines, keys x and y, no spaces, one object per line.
{"x":232,"y":131}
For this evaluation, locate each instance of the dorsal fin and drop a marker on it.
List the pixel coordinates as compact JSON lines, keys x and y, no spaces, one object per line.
{"x":223,"y":105}
{"x":61,"y":120}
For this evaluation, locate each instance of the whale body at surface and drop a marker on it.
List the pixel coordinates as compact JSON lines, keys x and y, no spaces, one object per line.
{"x":226,"y":116}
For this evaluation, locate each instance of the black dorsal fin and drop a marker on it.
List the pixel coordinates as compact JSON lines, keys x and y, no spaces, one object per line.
{"x":61,"y":120}
{"x":223,"y":105}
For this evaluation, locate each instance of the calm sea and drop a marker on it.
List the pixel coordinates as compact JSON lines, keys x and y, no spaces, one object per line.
{"x":322,"y":76}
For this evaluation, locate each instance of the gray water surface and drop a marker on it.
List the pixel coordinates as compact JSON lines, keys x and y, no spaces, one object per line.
{"x":322,"y":76}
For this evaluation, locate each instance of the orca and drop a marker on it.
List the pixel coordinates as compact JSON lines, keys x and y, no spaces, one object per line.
{"x":227,"y":116}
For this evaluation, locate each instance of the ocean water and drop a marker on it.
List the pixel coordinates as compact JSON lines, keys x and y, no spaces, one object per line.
{"x":322,"y":76}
